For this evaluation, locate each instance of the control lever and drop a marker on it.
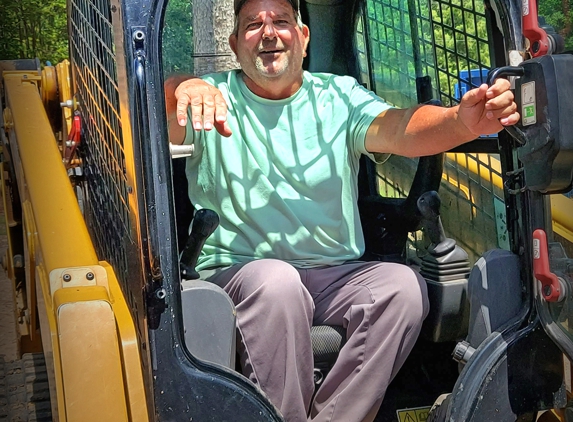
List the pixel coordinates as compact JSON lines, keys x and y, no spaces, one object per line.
{"x":429,"y":206}
{"x":504,"y":72}
{"x":204,"y":224}
{"x":541,"y":41}
{"x":552,"y":287}
{"x":446,"y":269}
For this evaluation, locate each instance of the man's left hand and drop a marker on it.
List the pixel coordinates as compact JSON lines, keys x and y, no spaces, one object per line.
{"x":486,"y":110}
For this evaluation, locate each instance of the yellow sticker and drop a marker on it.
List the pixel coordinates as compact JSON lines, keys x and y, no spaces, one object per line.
{"x":418,"y":414}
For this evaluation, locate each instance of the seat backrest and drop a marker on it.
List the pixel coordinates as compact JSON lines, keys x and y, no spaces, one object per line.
{"x":386,"y":222}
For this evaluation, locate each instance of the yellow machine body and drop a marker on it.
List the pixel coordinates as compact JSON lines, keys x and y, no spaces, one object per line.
{"x":87,"y":333}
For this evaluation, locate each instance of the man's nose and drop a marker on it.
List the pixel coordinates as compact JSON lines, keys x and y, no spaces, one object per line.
{"x":269,"y":31}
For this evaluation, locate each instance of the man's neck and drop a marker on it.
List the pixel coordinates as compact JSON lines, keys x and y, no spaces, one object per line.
{"x":273,"y":88}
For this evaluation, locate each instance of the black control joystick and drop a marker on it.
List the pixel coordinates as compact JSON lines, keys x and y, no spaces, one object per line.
{"x":429,"y":206}
{"x":204,"y":224}
{"x":445,"y":261}
{"x":446,"y":269}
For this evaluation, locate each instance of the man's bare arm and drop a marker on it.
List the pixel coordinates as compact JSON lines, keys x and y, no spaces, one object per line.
{"x":427,"y":130}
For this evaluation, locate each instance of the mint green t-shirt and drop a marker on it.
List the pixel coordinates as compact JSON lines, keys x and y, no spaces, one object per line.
{"x":285,"y":183}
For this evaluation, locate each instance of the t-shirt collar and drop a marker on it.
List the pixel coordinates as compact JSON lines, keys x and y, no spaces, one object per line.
{"x":249,"y":94}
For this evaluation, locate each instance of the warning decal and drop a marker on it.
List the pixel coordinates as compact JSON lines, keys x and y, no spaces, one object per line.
{"x":528,"y":113}
{"x":418,"y":414}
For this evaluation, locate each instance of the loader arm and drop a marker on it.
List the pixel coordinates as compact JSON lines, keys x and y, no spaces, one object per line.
{"x":88,"y":335}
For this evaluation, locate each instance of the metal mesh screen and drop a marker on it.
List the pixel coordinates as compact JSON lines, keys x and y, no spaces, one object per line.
{"x":390,"y":51}
{"x":461,"y":47}
{"x":400,"y":40}
{"x":473,"y":204}
{"x":95,"y":85}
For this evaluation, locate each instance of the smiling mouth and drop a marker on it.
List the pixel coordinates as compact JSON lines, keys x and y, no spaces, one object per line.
{"x":270,"y":51}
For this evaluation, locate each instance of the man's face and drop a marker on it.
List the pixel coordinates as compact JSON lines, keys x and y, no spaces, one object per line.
{"x":269,"y":43}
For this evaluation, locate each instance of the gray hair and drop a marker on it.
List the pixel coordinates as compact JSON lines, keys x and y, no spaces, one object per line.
{"x":296,"y":14}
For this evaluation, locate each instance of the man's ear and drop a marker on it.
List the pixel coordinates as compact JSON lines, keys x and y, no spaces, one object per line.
{"x":233,"y":43}
{"x":306,"y":36}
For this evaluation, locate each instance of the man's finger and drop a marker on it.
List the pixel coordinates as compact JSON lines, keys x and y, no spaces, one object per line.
{"x":512,"y":119}
{"x":182,"y":104}
{"x":223,"y":128}
{"x":220,"y":109}
{"x":500,"y":86}
{"x":501,"y":101}
{"x":197,"y":111}
{"x":502,"y":112}
{"x":474,"y":96}
{"x":221,"y":123}
{"x":208,"y":111}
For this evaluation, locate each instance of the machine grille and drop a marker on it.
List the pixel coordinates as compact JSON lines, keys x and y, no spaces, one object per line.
{"x":94,"y":74}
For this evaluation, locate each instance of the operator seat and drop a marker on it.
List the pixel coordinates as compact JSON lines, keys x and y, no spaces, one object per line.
{"x":207,"y":333}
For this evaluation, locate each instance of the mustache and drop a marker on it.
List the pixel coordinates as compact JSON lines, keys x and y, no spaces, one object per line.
{"x":272,"y":45}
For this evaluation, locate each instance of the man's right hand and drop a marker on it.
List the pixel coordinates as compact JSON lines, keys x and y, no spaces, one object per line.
{"x":208,"y":107}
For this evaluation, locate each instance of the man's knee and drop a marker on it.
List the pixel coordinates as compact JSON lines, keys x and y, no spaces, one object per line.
{"x":273,"y":281}
{"x":414,"y":294}
{"x":408,"y":293}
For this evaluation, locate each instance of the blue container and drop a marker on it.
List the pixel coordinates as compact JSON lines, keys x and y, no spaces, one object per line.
{"x":469,"y":79}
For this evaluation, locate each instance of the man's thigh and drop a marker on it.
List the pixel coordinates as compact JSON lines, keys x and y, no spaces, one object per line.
{"x":270,"y":279}
{"x":335,"y":289}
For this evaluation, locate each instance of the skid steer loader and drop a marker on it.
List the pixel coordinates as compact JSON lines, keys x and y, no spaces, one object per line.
{"x":113,"y":323}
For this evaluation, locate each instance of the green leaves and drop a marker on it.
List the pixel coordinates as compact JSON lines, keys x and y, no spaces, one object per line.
{"x":33,"y":28}
{"x":557,"y":13}
{"x":177,"y":38}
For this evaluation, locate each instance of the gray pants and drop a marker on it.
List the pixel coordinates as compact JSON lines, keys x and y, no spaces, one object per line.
{"x":381,"y":305}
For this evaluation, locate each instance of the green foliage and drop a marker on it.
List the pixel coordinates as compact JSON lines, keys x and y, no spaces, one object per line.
{"x":557,"y":13}
{"x":33,"y":28}
{"x":178,"y":38}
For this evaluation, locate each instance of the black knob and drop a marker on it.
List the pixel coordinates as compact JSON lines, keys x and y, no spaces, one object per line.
{"x":429,"y":206}
{"x":204,"y":224}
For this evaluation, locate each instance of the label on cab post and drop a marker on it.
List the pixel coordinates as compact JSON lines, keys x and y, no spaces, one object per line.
{"x":528,"y":109}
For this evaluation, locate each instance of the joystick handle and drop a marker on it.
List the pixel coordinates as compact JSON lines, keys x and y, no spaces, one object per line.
{"x":429,"y":206}
{"x":204,"y":224}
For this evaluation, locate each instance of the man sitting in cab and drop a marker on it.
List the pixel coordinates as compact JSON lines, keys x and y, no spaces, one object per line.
{"x":276,"y":155}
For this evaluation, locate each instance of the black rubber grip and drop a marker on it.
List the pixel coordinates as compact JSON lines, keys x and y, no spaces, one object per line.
{"x":204,"y":224}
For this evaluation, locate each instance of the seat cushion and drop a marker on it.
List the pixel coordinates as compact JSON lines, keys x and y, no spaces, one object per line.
{"x":327,"y":340}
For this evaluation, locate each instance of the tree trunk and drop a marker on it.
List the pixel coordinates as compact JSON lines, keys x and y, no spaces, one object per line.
{"x":212,"y":24}
{"x":566,"y":18}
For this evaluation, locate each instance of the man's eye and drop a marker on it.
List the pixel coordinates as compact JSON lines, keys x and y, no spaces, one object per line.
{"x":281,"y":23}
{"x":253,"y":25}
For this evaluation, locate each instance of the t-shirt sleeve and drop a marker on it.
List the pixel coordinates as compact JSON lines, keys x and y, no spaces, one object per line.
{"x":365,"y":106}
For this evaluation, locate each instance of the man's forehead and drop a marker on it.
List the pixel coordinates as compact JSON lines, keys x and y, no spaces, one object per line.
{"x":239,"y":4}
{"x":282,"y":15}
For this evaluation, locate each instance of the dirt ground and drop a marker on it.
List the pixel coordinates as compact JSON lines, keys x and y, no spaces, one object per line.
{"x":8,"y":339}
